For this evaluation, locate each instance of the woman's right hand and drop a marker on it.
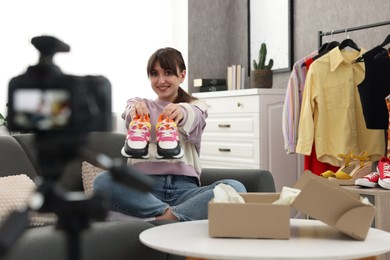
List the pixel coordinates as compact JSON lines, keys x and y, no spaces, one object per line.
{"x":139,"y":108}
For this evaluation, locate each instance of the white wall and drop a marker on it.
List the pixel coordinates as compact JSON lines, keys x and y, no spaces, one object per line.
{"x":109,"y":38}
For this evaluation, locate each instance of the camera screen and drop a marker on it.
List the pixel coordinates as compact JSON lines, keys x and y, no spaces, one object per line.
{"x":39,"y":109}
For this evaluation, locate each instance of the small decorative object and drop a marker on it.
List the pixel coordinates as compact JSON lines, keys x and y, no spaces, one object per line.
{"x":3,"y":126}
{"x":261,"y":75}
{"x":2,"y":120}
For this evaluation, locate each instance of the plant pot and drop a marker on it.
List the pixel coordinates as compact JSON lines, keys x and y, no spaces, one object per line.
{"x":261,"y":78}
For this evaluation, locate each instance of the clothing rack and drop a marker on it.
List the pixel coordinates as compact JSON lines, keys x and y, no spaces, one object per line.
{"x":362,"y":27}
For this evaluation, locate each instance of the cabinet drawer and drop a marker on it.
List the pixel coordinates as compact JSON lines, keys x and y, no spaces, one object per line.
{"x":241,"y":104}
{"x":231,"y":151}
{"x":243,"y":126}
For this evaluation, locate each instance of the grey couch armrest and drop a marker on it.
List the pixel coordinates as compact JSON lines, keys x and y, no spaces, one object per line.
{"x":255,"y":180}
{"x":104,"y":240}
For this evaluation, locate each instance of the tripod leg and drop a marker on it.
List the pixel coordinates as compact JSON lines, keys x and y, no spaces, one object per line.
{"x":73,"y":243}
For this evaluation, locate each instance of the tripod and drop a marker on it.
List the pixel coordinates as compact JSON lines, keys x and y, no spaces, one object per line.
{"x":73,"y":209}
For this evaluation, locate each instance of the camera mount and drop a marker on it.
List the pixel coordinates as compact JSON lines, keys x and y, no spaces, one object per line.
{"x":47,"y":47}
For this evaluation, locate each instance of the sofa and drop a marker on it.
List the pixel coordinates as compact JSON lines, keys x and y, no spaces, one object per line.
{"x":103,"y":239}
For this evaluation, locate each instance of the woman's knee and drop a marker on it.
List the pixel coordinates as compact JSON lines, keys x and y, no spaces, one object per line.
{"x":102,"y":182}
{"x":238,"y":186}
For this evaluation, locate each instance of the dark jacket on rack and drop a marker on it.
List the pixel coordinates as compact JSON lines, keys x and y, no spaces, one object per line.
{"x":374,"y":89}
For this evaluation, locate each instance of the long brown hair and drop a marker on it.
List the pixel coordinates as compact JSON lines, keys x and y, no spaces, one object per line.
{"x":170,"y":59}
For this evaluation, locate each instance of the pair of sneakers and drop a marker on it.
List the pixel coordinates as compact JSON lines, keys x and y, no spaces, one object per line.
{"x":138,"y":138}
{"x":379,"y":177}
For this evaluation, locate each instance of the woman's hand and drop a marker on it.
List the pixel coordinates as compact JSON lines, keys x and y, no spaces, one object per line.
{"x":173,"y":111}
{"x":139,"y":108}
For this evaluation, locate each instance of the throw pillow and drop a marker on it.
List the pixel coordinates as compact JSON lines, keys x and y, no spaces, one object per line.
{"x":88,"y":174}
{"x":15,"y":192}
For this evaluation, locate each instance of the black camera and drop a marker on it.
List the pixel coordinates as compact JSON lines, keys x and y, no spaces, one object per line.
{"x":61,"y":109}
{"x":46,"y":100}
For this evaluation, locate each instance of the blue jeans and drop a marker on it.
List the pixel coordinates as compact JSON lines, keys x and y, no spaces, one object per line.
{"x":182,"y":194}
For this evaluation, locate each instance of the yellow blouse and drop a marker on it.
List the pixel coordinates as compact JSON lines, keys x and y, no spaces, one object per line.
{"x":331,"y":113}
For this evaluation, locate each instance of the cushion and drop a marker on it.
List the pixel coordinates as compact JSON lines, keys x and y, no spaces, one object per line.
{"x":88,"y":174}
{"x":15,"y":193}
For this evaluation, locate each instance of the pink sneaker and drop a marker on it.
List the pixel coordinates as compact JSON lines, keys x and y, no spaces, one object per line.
{"x":384,"y":172}
{"x":137,"y":139}
{"x":168,"y":144}
{"x":370,"y":180}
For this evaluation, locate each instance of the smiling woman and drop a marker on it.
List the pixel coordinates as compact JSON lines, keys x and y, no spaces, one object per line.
{"x":104,"y":36}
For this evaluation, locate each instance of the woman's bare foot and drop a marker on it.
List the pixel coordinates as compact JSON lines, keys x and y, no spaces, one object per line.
{"x":167,"y":215}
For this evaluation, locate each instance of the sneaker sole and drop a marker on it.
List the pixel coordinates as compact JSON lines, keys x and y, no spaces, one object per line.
{"x":138,"y":154}
{"x":170,"y":154}
{"x":366,"y":183}
{"x":383,"y":184}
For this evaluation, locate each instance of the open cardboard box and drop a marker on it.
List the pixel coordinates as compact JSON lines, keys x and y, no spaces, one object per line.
{"x":338,"y":207}
{"x":256,"y":218}
{"x":319,"y":198}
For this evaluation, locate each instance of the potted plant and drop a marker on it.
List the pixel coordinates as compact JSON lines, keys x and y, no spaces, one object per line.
{"x":3,"y":125}
{"x":261,"y":75}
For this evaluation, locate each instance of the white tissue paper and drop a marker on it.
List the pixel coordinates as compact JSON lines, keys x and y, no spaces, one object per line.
{"x":226,"y":193}
{"x":287,"y":196}
{"x":365,"y":200}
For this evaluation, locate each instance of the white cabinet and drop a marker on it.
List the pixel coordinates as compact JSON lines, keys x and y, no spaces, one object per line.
{"x":244,"y":130}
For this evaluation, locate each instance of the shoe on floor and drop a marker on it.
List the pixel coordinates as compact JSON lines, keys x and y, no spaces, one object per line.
{"x":384,"y":172}
{"x":168,"y":144}
{"x":370,"y":180}
{"x":138,"y":138}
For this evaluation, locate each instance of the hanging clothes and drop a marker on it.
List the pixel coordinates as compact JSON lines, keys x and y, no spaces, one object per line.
{"x":292,"y":107}
{"x":292,"y":104}
{"x":310,"y":162}
{"x":293,"y":98}
{"x":331,"y":113}
{"x":374,"y":89}
{"x":388,"y":130}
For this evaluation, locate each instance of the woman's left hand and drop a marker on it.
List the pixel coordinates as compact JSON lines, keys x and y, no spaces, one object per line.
{"x":173,"y":111}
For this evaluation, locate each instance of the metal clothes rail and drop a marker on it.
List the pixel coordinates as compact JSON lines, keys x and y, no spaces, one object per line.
{"x":362,"y":27}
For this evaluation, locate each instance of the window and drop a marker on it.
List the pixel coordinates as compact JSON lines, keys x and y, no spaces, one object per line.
{"x":109,"y":38}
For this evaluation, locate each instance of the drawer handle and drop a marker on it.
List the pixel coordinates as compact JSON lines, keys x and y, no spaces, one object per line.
{"x":224,"y":125}
{"x":224,"y":149}
{"x":239,"y":104}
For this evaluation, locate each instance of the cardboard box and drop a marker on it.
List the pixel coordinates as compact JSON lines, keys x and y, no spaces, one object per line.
{"x":319,"y":198}
{"x":257,"y":218}
{"x":340,"y":208}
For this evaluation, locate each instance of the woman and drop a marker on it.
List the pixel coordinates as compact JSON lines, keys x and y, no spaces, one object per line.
{"x":163,"y":141}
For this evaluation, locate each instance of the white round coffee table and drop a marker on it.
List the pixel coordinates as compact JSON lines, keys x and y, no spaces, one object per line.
{"x":310,"y":239}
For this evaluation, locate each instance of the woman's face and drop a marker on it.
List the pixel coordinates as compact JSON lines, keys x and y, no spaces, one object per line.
{"x":165,"y":83}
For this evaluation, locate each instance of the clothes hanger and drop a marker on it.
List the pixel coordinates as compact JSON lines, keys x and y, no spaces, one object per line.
{"x":324,"y":46}
{"x":383,"y":54}
{"x":348,"y":43}
{"x":329,"y":47}
{"x":324,"y":49}
{"x":359,"y":59}
{"x":386,"y":41}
